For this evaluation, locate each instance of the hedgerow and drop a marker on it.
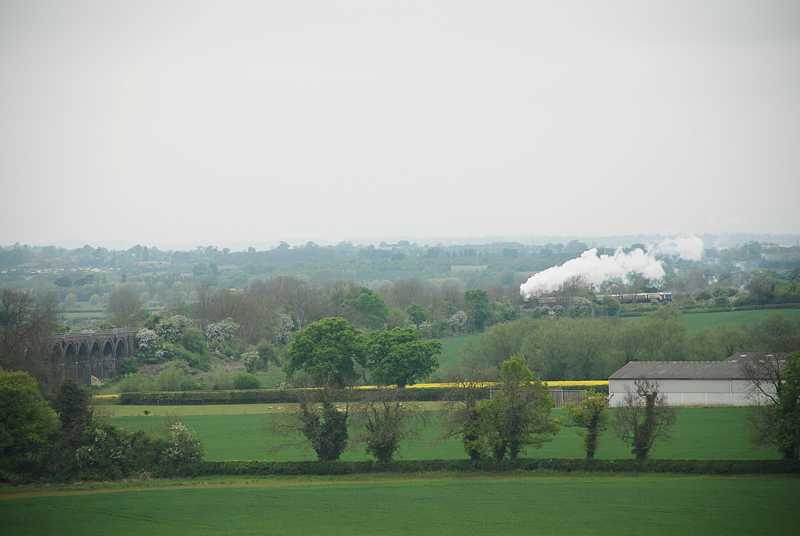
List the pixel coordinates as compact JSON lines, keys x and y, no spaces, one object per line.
{"x":276,"y":396}
{"x":561,"y":465}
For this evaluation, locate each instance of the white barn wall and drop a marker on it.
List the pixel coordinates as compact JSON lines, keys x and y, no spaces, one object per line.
{"x":692,"y":392}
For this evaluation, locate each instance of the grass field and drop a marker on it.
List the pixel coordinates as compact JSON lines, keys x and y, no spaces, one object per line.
{"x":421,"y":505}
{"x":452,"y":354}
{"x":248,"y":432}
{"x":272,"y":378}
{"x":700,"y":321}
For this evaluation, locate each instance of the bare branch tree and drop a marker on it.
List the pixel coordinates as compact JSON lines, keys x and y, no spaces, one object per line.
{"x":775,"y":419}
{"x":322,"y":422}
{"x":463,"y":417}
{"x":764,"y":374}
{"x":26,"y":324}
{"x":644,"y":417}
{"x":386,"y":421}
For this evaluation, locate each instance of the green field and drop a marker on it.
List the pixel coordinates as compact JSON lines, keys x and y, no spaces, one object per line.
{"x":421,"y":505}
{"x":700,"y":321}
{"x":248,"y":432}
{"x":453,"y":354}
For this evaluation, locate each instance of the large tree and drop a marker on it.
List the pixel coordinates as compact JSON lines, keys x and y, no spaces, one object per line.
{"x":26,"y":420}
{"x":591,"y":416}
{"x":643,"y":418}
{"x":125,"y":307}
{"x":398,"y":356}
{"x":476,"y":303}
{"x":328,"y":351}
{"x":776,"y":417}
{"x":74,"y":409}
{"x":517,"y":416}
{"x":366,"y":308}
{"x":26,"y":324}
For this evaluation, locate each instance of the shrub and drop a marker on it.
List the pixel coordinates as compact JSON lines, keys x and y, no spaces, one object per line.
{"x":136,"y":382}
{"x":176,"y":378}
{"x":127,"y":366}
{"x":170,"y":352}
{"x":109,"y":453}
{"x":194,"y":340}
{"x":245,"y":380}
{"x":252,"y":361}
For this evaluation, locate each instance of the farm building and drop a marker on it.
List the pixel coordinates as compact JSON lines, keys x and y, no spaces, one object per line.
{"x":693,"y":383}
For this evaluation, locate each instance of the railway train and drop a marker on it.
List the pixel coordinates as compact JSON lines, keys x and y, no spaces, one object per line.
{"x":640,"y":297}
{"x":634,"y":297}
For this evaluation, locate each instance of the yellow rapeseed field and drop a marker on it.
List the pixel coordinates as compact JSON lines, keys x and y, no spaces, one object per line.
{"x":443,"y":385}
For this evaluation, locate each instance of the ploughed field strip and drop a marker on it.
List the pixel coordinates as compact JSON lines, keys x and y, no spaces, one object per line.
{"x":424,"y":505}
{"x":253,"y":432}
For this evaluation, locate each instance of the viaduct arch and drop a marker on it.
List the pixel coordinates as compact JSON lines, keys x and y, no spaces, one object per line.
{"x":79,"y":356}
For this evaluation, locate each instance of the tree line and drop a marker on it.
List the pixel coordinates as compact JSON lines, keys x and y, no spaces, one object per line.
{"x":594,"y":348}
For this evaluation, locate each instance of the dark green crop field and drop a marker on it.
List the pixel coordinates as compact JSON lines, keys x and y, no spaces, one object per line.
{"x":249,"y":433}
{"x":422,"y":505}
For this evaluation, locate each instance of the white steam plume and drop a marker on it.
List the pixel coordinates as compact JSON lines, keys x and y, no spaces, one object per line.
{"x":596,"y":269}
{"x":689,"y":248}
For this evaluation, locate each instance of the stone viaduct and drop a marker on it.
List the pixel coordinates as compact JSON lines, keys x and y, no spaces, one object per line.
{"x":79,"y":356}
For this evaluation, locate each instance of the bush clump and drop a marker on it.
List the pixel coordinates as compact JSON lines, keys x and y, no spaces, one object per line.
{"x":245,"y":380}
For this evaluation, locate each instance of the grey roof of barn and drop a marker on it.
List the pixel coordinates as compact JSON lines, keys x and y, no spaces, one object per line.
{"x":730,"y":369}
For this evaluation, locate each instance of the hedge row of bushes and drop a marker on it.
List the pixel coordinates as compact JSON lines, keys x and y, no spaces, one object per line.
{"x":282,"y":396}
{"x":275,"y":396}
{"x":712,"y":467}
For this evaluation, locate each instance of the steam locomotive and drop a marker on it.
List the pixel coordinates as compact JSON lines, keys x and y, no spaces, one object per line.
{"x":640,"y":297}
{"x":637,"y":297}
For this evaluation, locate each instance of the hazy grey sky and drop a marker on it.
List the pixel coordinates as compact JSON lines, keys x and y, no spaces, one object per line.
{"x":165,"y":122}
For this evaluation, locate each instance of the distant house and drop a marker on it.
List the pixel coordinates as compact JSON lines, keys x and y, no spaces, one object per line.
{"x":691,"y":383}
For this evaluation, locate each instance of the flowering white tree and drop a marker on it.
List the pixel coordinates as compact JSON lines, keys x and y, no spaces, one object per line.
{"x":147,"y":341}
{"x":173,"y":328}
{"x":284,"y":329}
{"x":219,"y":334}
{"x":458,"y":322}
{"x":183,"y":448}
